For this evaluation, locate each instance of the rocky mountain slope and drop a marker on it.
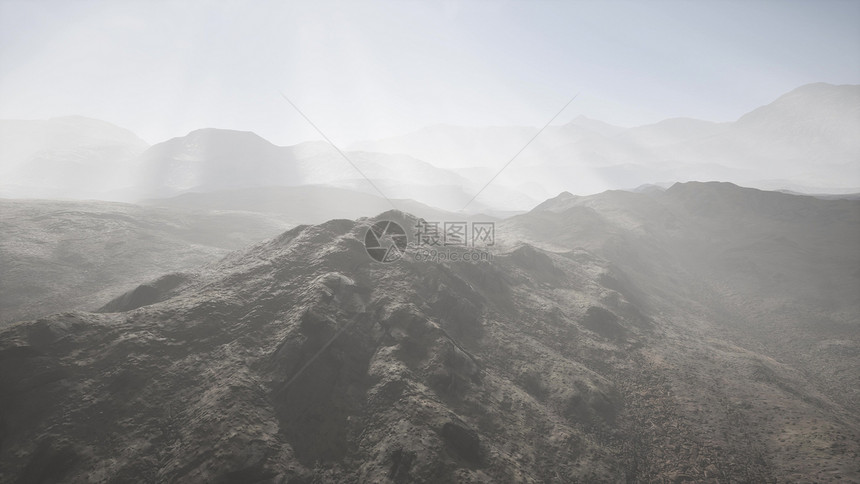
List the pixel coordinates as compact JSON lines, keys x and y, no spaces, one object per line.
{"x":60,"y":255}
{"x":63,"y":255}
{"x":608,"y":340}
{"x":779,"y":270}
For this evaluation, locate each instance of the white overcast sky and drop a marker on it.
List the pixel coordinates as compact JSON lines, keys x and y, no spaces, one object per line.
{"x":370,"y":69}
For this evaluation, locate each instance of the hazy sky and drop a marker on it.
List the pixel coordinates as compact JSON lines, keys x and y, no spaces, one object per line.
{"x":369,"y":69}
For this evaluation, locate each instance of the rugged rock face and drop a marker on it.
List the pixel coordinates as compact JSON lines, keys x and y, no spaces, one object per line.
{"x":301,"y":359}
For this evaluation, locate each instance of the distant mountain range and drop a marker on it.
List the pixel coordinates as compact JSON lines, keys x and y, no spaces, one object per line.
{"x":210,"y":160}
{"x":804,"y":141}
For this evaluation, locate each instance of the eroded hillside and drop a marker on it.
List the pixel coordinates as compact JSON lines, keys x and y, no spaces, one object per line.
{"x":303,"y":360}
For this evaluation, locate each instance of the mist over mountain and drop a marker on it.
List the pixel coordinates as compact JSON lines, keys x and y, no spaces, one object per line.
{"x":68,"y":157}
{"x":313,"y":242}
{"x":307,"y":204}
{"x":211,"y":160}
{"x":235,"y":323}
{"x":803,"y":135}
{"x":216,"y":159}
{"x":704,"y":332}
{"x":803,"y":141}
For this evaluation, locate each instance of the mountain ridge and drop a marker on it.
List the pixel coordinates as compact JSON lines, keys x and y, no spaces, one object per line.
{"x":803,"y":140}
{"x":589,"y":348}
